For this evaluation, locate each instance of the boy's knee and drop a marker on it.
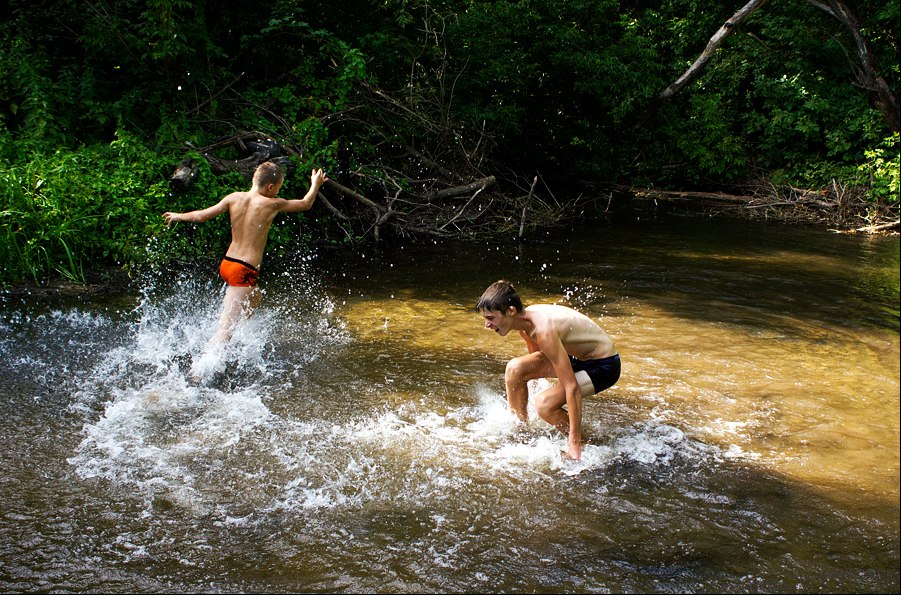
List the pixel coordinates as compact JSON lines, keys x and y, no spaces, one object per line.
{"x":543,"y":406}
{"x":514,"y":370}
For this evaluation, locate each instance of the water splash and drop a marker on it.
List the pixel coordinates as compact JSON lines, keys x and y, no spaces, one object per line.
{"x":169,"y":418}
{"x":218,"y":447}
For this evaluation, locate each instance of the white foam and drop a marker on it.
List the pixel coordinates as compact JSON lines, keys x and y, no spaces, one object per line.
{"x":151,"y":427}
{"x":210,"y":362}
{"x":214,"y":447}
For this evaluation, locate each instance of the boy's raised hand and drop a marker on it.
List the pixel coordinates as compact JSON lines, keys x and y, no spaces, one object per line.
{"x":317,"y":178}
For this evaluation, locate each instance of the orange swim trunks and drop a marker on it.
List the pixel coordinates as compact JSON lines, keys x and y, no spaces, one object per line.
{"x":238,"y":273}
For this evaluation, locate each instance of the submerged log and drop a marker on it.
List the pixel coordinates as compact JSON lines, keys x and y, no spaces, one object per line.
{"x":802,"y":198}
{"x":877,"y":228}
{"x":835,"y":206}
{"x":690,"y":196}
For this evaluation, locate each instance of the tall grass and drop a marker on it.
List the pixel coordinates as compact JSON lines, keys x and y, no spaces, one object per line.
{"x":63,"y":212}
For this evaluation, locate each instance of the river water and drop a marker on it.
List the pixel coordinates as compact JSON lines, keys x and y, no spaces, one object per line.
{"x":354,"y":436}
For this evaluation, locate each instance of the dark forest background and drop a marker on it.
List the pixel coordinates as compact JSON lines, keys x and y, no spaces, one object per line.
{"x":443,"y":118}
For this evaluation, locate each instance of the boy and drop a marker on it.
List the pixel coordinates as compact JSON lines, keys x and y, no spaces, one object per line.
{"x":562,"y":344}
{"x":251,"y":216}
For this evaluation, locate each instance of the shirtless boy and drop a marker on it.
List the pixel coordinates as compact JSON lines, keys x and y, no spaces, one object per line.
{"x":251,"y":215}
{"x":562,"y":344}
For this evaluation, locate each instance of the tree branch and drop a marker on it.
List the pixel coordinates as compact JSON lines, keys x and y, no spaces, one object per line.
{"x":478,"y":186}
{"x":726,"y":30}
{"x":331,"y":207}
{"x":868,"y":76}
{"x":355,"y":195}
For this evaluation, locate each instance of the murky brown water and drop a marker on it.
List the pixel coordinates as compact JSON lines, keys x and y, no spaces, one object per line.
{"x":354,"y":437}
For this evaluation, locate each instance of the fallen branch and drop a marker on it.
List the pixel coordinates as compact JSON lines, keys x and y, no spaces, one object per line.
{"x":261,"y":149}
{"x":478,"y":186}
{"x":337,"y":213}
{"x":677,"y":195}
{"x":522,"y":220}
{"x":253,"y":147}
{"x":430,"y":162}
{"x":462,"y":209}
{"x":353,"y":194}
{"x":836,"y":205}
{"x":881,"y":227}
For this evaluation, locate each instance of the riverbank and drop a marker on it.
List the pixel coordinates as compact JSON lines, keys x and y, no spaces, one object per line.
{"x":98,"y":282}
{"x":839,"y":209}
{"x":842,"y":213}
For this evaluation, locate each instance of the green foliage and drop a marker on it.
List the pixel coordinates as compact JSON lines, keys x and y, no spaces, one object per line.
{"x":883,"y":170}
{"x":307,"y":91}
{"x":558,"y":82}
{"x":774,"y":97}
{"x":190,"y":242}
{"x":69,"y":209}
{"x":98,"y":103}
{"x":877,"y":171}
{"x":26,"y":81}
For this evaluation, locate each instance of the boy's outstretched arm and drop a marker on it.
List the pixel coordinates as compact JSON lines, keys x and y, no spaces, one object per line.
{"x":200,"y":215}
{"x":317,"y":179}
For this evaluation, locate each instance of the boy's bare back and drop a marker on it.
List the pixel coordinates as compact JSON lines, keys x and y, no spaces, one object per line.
{"x":579,"y":334}
{"x":251,"y":215}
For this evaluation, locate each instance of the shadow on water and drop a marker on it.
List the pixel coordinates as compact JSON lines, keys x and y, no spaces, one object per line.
{"x":354,"y":436}
{"x":677,"y":264}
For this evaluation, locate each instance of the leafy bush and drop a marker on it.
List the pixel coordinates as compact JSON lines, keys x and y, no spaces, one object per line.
{"x":93,"y":205}
{"x":883,"y":171}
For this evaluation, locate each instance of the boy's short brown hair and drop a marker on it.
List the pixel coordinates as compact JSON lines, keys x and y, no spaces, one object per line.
{"x":499,"y":296}
{"x":267,"y":173}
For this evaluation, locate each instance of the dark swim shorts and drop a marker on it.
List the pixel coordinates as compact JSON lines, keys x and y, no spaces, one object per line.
{"x":603,"y":372}
{"x":238,"y":273}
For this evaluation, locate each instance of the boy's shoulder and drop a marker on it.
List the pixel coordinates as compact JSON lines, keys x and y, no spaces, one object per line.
{"x":235,"y":196}
{"x":248,"y":196}
{"x":552,"y":314}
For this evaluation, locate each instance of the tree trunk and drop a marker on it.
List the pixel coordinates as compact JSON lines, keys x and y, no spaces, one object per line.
{"x":868,"y":75}
{"x":695,"y":69}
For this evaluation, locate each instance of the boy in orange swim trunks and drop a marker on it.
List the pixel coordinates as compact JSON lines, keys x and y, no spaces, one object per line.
{"x":251,"y":213}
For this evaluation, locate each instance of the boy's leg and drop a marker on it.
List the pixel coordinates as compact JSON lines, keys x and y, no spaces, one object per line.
{"x":238,"y":300}
{"x":549,"y":403}
{"x":516,"y":377}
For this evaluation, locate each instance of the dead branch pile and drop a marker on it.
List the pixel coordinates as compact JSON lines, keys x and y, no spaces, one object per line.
{"x":842,"y":209}
{"x":416,"y":174}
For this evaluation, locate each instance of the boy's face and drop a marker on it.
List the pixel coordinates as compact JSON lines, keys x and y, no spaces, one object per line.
{"x":498,"y":321}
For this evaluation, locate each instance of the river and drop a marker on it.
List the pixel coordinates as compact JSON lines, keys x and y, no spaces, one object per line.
{"x":354,"y":435}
